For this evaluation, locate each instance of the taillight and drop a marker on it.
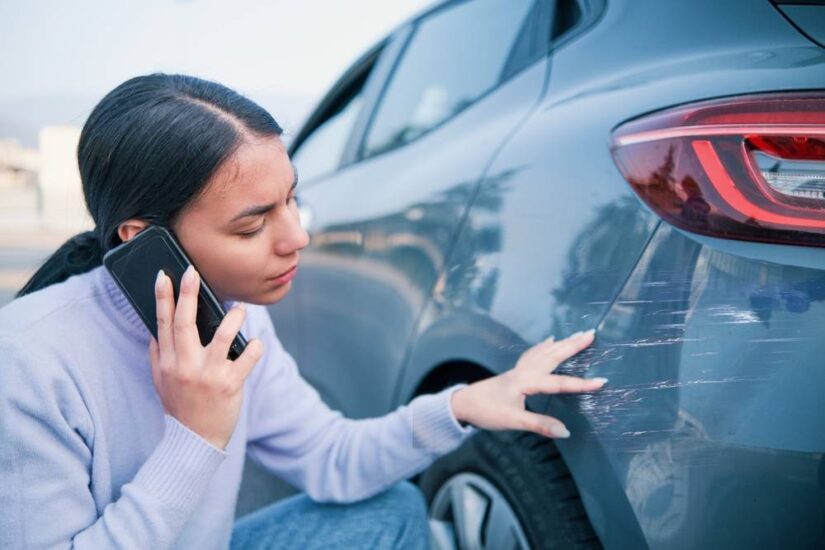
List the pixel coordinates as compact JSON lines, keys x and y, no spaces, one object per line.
{"x":749,"y":168}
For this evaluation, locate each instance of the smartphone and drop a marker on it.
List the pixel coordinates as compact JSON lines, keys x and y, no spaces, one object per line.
{"x":134,"y":265}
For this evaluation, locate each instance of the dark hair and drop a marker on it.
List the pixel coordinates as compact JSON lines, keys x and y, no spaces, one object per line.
{"x":146,"y":151}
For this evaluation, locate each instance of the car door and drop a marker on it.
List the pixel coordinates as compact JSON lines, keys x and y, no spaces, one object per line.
{"x":383,"y":221}
{"x":322,"y":141}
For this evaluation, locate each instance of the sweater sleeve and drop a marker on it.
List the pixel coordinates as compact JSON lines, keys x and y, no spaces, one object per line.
{"x":295,"y":435}
{"x":46,"y":468}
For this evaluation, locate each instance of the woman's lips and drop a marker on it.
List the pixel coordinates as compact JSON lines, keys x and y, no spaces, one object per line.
{"x":285,"y":277}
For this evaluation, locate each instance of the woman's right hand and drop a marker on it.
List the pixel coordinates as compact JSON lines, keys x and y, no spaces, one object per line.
{"x":198,"y":385}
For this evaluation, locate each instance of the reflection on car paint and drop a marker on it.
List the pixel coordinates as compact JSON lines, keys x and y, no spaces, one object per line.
{"x":716,"y":407}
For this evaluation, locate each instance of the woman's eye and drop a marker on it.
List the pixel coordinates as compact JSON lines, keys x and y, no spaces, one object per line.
{"x":252,"y":233}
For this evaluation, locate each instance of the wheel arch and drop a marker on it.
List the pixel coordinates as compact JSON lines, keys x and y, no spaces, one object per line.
{"x":466,"y":347}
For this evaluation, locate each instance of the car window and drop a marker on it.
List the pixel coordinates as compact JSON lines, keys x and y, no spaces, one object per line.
{"x":455,"y":56}
{"x":320,"y":152}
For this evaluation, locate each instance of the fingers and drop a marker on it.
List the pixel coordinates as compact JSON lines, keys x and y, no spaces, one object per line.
{"x":542,"y":425}
{"x":570,"y":346}
{"x":165,"y":308}
{"x":545,"y":356}
{"x":187,"y":341}
{"x":230,"y":325}
{"x":154,"y":359}
{"x":244,"y":364}
{"x":556,"y":383}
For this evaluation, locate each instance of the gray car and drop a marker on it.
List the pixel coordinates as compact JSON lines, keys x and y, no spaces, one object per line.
{"x":498,"y":171}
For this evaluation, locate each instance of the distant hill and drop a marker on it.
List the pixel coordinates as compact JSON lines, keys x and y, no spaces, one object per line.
{"x":22,"y":118}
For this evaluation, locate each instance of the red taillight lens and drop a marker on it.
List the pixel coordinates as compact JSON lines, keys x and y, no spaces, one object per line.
{"x":750,"y":168}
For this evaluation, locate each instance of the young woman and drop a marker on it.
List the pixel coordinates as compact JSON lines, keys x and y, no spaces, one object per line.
{"x":112,"y":439}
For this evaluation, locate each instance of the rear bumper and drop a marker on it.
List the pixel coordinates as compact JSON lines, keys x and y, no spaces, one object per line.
{"x":711,"y":430}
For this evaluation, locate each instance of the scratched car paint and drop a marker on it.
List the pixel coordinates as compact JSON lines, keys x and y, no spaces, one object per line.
{"x":710,"y":430}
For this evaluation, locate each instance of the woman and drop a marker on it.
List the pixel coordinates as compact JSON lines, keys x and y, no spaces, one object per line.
{"x":106,"y":445}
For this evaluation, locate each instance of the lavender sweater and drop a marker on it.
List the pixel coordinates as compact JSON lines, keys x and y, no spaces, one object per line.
{"x":88,"y":459}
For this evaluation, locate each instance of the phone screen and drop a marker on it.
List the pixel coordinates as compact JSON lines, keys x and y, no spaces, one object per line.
{"x":134,"y":266}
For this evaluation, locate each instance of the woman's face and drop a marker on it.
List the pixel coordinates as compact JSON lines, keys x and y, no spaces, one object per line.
{"x":243,"y":232}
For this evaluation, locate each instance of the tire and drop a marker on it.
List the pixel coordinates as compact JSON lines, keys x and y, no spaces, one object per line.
{"x":528,"y":472}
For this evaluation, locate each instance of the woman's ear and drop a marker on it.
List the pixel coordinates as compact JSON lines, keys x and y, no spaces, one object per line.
{"x":130,"y":228}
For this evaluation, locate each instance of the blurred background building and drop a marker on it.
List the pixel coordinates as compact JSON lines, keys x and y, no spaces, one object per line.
{"x":19,"y":185}
{"x":40,"y":188}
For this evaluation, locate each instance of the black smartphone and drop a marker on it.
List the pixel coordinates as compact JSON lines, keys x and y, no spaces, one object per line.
{"x":134,"y":265}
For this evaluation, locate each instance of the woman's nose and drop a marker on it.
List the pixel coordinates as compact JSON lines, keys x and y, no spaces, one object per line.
{"x":302,"y":237}
{"x":292,"y":238}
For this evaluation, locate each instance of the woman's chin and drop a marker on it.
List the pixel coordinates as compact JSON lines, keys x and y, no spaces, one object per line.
{"x":267,"y":296}
{"x":276,"y":293}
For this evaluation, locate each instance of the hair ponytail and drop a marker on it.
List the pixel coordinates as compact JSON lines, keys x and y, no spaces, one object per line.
{"x":77,"y":255}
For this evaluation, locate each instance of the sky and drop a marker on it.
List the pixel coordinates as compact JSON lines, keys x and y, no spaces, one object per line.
{"x":60,"y":57}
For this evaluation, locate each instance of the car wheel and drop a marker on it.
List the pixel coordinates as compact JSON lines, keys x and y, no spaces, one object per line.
{"x":505,"y":490}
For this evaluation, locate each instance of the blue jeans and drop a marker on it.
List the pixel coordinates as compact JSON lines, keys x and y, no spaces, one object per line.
{"x":395,"y":518}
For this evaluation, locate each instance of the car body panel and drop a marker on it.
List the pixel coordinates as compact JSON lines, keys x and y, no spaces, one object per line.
{"x":560,"y":263}
{"x":709,"y":432}
{"x":385,"y":250}
{"x":712,"y":419}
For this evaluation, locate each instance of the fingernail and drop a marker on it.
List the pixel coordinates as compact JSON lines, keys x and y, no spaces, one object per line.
{"x":600,"y":379}
{"x":159,"y":278}
{"x":561,"y":433}
{"x":591,"y":331}
{"x":189,"y":275}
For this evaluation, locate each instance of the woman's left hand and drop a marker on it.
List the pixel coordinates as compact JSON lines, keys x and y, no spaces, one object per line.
{"x":497,"y":403}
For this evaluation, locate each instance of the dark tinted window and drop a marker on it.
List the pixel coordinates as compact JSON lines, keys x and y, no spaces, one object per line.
{"x":455,"y":56}
{"x":320,"y":152}
{"x":568,"y":15}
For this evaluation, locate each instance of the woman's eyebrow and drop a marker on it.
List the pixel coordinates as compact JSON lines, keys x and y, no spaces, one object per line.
{"x":264,"y":208}
{"x":253,"y":211}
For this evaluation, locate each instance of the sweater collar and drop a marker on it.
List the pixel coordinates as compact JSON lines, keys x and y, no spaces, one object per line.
{"x":125,"y":312}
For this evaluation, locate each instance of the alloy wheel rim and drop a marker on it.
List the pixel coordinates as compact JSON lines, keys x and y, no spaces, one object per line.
{"x":468,"y":512}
